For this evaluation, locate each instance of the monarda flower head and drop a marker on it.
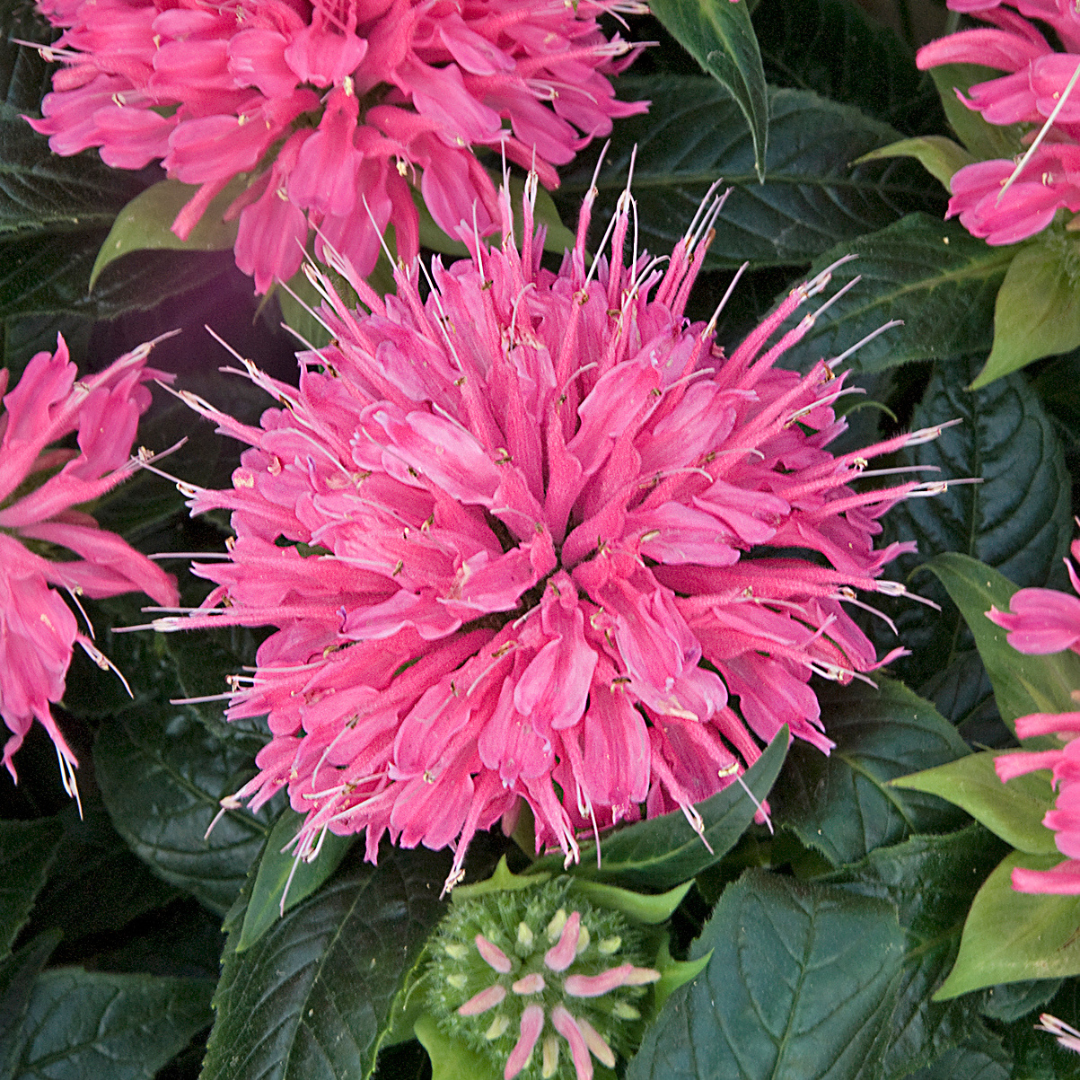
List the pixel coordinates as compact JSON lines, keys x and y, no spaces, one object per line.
{"x":539,"y":977}
{"x":333,"y":109}
{"x":527,"y":540}
{"x":1007,"y":201}
{"x":40,"y":529}
{"x":1043,"y":621}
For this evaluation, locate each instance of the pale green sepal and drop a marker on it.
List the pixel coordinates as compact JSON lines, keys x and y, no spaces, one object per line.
{"x":279,"y":869}
{"x":451,"y":1060}
{"x":500,"y":881}
{"x":638,"y":907}
{"x":675,"y":973}
{"x":983,"y":139}
{"x":939,"y":156}
{"x":1013,"y":811}
{"x":146,"y":224}
{"x":1011,"y":936}
{"x":1037,"y":311}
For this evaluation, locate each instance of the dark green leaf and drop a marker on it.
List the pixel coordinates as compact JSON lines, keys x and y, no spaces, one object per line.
{"x":836,"y":49}
{"x":312,"y":998}
{"x":801,"y":984}
{"x":26,"y":849}
{"x":976,"y":1059}
{"x":719,"y":35}
{"x":18,"y":974}
{"x":1037,"y":313}
{"x":162,"y":775}
{"x":84,"y":1025}
{"x":1013,"y":811}
{"x":842,"y":805}
{"x":665,"y":851}
{"x":932,"y":881}
{"x":96,"y":883}
{"x":1011,"y":935}
{"x":934,"y":275}
{"x":279,"y":871}
{"x":812,"y":197}
{"x":1017,"y":518}
{"x":1022,"y":684}
{"x":1010,"y":1001}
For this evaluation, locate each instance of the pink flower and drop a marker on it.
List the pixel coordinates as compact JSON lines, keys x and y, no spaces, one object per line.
{"x":1038,"y":90}
{"x":1046,"y":621}
{"x":38,"y":489}
{"x":367,"y":96}
{"x":520,"y":544}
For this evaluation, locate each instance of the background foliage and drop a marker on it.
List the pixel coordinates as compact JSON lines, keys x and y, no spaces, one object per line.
{"x":830,"y":940}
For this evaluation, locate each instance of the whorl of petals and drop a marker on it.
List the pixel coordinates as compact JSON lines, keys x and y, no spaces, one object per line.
{"x":339,"y":108}
{"x":521,"y":541}
{"x":996,"y":199}
{"x":1043,"y":621}
{"x":39,"y":489}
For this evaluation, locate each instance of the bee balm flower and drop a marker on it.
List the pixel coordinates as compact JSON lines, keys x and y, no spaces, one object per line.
{"x":37,"y":629}
{"x":528,"y":539}
{"x":333,"y":108}
{"x":1047,"y":621}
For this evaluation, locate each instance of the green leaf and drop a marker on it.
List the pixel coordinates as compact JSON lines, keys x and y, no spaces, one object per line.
{"x":95,"y":884}
{"x":1017,"y":518}
{"x":1022,"y":684}
{"x":938,"y":155}
{"x":1013,"y":811}
{"x":838,"y":50}
{"x":312,"y":998}
{"x":26,"y":849}
{"x":1037,"y":312}
{"x":451,"y":1060}
{"x":665,"y":851}
{"x":983,"y":139}
{"x":975,"y":1059}
{"x":812,"y":197}
{"x":18,"y":974}
{"x":146,"y":224}
{"x":1011,"y":935}
{"x":932,"y":881}
{"x":842,"y":805}
{"x":801,"y":985}
{"x":280,"y":870}
{"x":719,"y":36}
{"x":162,"y":776}
{"x":933,"y":275}
{"x":84,"y":1025}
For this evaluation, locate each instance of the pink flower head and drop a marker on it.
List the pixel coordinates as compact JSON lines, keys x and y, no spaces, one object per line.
{"x":37,"y":628}
{"x":336,"y":108}
{"x":1047,"y":621}
{"x":1039,"y":89}
{"x":521,"y":543}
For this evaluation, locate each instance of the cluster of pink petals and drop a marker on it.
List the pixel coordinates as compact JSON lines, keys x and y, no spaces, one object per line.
{"x":520,"y":542}
{"x":333,"y":109}
{"x":1046,"y":621}
{"x":37,"y":628}
{"x":583,"y":1040}
{"x":1037,"y":80}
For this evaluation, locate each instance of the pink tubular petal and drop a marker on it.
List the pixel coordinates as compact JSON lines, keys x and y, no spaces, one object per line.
{"x":530,"y":984}
{"x":481,"y":1002}
{"x":596,"y":1043}
{"x":493,"y":955}
{"x":561,"y":955}
{"x":567,"y":1026}
{"x":532,"y":1023}
{"x":1061,"y":880}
